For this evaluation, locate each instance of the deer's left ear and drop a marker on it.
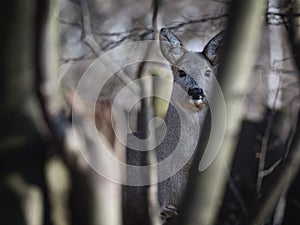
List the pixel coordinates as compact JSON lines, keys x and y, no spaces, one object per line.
{"x":170,"y":46}
{"x":212,"y":48}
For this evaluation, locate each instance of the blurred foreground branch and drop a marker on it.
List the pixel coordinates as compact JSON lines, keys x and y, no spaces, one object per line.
{"x":205,"y":191}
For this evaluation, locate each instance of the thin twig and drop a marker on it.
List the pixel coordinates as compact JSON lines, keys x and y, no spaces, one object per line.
{"x":282,"y":180}
{"x":189,"y":22}
{"x":155,"y":6}
{"x":87,"y":35}
{"x":89,"y":40}
{"x":141,"y":33}
{"x":270,"y":170}
{"x":264,"y":144}
{"x":69,"y":23}
{"x":238,"y":196}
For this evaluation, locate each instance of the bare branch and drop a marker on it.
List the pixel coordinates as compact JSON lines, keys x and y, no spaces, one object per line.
{"x":238,"y":196}
{"x":265,"y":142}
{"x":141,"y":33}
{"x":87,"y":35}
{"x":192,"y":21}
{"x":282,"y":180}
{"x":51,"y":99}
{"x":146,"y":113}
{"x":155,"y":5}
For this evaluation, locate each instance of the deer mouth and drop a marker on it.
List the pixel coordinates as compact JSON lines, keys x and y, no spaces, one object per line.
{"x":197,"y":101}
{"x":197,"y":104}
{"x":194,"y":104}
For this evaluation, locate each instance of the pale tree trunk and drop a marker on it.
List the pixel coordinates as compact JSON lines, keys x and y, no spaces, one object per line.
{"x":24,"y":133}
{"x":283,"y":177}
{"x":33,"y":126}
{"x":205,"y":191}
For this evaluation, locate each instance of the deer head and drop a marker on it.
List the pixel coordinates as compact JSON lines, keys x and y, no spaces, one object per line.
{"x":192,"y":71}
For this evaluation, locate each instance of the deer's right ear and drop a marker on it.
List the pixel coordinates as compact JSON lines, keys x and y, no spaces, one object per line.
{"x":212,"y":48}
{"x":171,"y":46}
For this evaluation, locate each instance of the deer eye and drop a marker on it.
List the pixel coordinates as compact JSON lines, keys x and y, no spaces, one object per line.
{"x":207,"y":73}
{"x":181,"y":73}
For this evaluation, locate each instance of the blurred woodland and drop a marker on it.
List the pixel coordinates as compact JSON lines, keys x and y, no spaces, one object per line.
{"x":49,"y":173}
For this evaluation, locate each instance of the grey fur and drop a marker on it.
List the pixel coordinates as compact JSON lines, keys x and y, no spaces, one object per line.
{"x":184,"y":117}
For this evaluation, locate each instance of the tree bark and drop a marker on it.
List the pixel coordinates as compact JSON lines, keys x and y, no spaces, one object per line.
{"x":205,"y":190}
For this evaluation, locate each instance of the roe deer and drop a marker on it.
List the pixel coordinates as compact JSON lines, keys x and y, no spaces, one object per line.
{"x":192,"y":74}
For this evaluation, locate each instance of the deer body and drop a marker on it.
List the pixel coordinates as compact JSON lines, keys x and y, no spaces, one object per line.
{"x":188,"y":107}
{"x":172,"y":189}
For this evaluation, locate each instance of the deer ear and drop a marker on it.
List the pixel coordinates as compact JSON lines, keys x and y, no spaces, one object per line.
{"x":212,"y":48}
{"x":171,"y":46}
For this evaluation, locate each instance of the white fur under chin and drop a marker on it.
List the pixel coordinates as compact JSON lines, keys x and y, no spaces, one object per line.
{"x":196,"y":105}
{"x":197,"y":101}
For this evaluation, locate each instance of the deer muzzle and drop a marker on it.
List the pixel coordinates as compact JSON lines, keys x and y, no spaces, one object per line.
{"x":196,"y":93}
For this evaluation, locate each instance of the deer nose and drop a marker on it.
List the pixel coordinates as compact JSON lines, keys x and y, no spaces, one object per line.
{"x":196,"y":93}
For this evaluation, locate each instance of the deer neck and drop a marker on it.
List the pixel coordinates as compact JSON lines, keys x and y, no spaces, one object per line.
{"x":186,"y":117}
{"x":183,"y":129}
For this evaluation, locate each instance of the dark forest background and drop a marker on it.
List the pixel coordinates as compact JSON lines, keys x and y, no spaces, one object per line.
{"x":46,"y":46}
